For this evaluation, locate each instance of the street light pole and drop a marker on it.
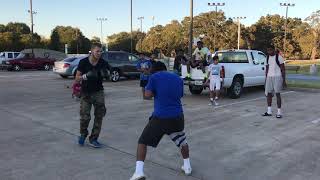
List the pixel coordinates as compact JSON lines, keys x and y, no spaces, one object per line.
{"x":31,"y":15}
{"x":152,"y":21}
{"x":287,"y":5}
{"x":141,"y":18}
{"x":152,"y":40}
{"x":191,"y":29}
{"x":239,"y":28}
{"x":131,"y":26}
{"x":101,"y":35}
{"x":215,"y":22}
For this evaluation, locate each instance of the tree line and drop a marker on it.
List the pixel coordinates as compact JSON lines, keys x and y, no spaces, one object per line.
{"x":302,"y":39}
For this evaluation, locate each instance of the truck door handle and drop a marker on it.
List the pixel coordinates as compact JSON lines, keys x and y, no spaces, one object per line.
{"x":262,"y":68}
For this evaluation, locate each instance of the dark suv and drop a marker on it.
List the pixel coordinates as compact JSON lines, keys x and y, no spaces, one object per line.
{"x":122,"y":64}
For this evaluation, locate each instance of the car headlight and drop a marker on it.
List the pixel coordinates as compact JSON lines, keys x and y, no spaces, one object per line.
{"x":7,"y":62}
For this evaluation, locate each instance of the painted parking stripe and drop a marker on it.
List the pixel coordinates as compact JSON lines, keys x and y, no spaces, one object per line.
{"x":250,"y":100}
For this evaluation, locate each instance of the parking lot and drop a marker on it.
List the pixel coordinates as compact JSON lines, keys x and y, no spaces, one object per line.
{"x":40,"y":125}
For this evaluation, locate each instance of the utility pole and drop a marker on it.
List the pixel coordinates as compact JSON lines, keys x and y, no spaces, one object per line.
{"x":31,"y":15}
{"x":152,"y":17}
{"x":215,"y":22}
{"x":191,"y":30}
{"x":77,"y":40}
{"x":141,"y":18}
{"x":131,"y":36}
{"x":287,"y":5}
{"x":153,"y":40}
{"x":239,"y":28}
{"x":101,"y":34}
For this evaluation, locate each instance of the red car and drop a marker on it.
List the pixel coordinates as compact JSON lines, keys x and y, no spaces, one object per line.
{"x":28,"y":61}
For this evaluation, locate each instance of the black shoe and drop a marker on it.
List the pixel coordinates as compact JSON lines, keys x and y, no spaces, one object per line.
{"x":266,"y":114}
{"x":187,"y":78}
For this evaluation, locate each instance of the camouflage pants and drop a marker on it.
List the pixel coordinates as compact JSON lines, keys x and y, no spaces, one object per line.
{"x":87,"y":101}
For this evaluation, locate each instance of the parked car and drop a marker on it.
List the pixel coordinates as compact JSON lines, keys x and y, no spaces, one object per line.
{"x":122,"y":64}
{"x":242,"y":68}
{"x":67,"y":67}
{"x":8,"y":55}
{"x":28,"y":61}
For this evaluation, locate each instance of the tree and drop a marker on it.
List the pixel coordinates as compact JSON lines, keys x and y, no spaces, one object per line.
{"x":73,"y":37}
{"x":270,"y":30}
{"x":20,"y":28}
{"x":95,"y":39}
{"x":55,"y":43}
{"x":314,"y":21}
{"x":121,"y":41}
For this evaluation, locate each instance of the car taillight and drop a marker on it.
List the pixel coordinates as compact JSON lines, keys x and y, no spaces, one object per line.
{"x":66,"y":65}
{"x":222,"y":74}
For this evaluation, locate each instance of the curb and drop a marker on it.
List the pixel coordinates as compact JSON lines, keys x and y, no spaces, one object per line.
{"x":312,"y":90}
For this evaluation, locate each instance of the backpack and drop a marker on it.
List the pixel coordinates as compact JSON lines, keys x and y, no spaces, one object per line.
{"x":76,"y":90}
{"x":277,"y":60}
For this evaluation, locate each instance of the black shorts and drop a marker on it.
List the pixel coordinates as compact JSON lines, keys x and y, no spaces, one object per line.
{"x":156,"y":128}
{"x":195,"y":64}
{"x":143,"y":83}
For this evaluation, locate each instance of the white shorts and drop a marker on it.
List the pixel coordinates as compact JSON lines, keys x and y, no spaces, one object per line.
{"x":273,"y":85}
{"x":215,"y":84}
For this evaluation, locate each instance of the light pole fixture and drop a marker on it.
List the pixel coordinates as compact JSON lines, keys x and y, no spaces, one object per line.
{"x":215,"y":21}
{"x":31,"y":16}
{"x":287,"y":5}
{"x":239,"y":28}
{"x":101,"y":35}
{"x":141,"y":19}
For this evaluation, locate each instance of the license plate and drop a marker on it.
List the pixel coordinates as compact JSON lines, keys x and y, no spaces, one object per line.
{"x":198,"y":83}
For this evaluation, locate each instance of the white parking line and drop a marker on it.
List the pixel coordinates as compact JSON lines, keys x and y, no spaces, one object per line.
{"x":240,"y":102}
{"x":316,"y":121}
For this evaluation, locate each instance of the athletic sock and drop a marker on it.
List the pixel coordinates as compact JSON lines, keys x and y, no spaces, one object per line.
{"x":216,"y":98}
{"x":211,"y":99}
{"x":269,"y":110}
{"x":139,"y":167}
{"x":279,"y":111}
{"x":186,"y":163}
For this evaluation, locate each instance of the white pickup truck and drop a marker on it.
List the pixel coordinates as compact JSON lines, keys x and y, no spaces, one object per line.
{"x":242,"y":68}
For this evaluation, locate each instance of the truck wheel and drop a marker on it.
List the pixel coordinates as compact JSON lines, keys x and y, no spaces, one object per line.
{"x":236,"y":88}
{"x":195,"y":89}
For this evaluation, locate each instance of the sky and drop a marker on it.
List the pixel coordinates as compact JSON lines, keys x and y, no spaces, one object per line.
{"x":84,"y":13}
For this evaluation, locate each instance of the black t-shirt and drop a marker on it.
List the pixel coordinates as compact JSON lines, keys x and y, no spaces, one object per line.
{"x":95,"y":79}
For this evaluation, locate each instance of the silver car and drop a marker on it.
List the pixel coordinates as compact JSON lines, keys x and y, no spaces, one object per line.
{"x":67,"y":67}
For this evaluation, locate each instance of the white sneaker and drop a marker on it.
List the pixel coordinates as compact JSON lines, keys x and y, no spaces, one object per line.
{"x":216,"y":103}
{"x":211,"y":103}
{"x":187,"y":171}
{"x":138,"y":177}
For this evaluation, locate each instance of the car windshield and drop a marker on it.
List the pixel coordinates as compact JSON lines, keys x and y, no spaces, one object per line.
{"x":21,"y":55}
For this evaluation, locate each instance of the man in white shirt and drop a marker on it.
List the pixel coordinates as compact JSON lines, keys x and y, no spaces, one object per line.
{"x":275,"y":79}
